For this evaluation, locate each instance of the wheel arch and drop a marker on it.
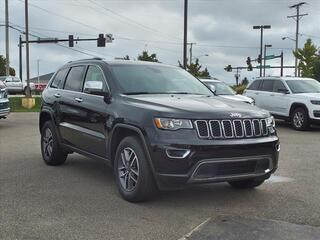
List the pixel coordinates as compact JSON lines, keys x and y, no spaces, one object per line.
{"x":45,"y":116}
{"x":296,"y":105}
{"x":121,"y":131}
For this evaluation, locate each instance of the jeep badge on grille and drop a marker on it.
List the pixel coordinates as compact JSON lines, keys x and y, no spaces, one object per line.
{"x":235,"y":115}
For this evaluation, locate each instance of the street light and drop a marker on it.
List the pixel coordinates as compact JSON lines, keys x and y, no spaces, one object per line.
{"x":284,"y":38}
{"x":264,"y":59}
{"x":261,"y":27}
{"x":204,"y":55}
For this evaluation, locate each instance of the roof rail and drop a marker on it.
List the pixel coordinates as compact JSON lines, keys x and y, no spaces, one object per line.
{"x":86,"y":59}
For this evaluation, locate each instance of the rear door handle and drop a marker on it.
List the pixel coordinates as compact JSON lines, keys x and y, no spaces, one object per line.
{"x":78,"y":99}
{"x":272,"y":95}
{"x":57,"y":95}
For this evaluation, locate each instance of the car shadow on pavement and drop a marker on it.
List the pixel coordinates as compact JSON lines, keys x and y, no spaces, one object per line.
{"x":287,"y":125}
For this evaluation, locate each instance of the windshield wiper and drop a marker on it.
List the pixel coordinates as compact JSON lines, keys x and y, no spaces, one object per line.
{"x":137,"y":93}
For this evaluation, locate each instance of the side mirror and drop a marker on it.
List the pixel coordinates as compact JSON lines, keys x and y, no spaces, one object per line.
{"x":213,"y":88}
{"x":283,"y":90}
{"x":94,"y":87}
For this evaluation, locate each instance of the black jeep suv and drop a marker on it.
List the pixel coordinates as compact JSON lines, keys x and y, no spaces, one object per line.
{"x":157,"y":125}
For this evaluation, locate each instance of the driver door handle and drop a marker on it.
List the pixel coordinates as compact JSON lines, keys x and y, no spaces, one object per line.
{"x":78,"y":100}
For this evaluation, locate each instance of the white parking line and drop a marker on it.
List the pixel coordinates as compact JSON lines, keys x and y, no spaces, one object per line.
{"x":279,"y":179}
{"x":187,"y":236}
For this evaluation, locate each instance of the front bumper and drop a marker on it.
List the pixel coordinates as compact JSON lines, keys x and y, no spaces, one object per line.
{"x":234,"y":160}
{"x":4,"y":108}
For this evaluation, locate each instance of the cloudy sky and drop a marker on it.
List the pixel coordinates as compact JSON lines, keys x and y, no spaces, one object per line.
{"x":220,"y":28}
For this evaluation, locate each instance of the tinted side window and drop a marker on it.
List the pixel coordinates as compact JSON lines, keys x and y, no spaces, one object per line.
{"x":254,"y":85}
{"x":267,"y":85}
{"x":58,"y":80}
{"x":74,"y":79}
{"x":278,"y":85}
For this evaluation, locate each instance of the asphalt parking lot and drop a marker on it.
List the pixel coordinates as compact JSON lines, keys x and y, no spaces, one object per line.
{"x":79,"y":200}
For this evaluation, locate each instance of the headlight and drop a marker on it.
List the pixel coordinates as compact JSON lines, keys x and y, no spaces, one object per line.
{"x":270,"y":122}
{"x":316,"y":102}
{"x":172,"y":124}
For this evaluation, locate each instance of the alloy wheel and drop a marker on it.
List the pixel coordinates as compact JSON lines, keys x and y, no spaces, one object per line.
{"x":298,"y":119}
{"x":47,"y":143}
{"x":128,"y":169}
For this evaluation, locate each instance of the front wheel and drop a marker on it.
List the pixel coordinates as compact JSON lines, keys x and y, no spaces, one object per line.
{"x":133,"y":174}
{"x":52,"y":153}
{"x":300,"y":119}
{"x":247,"y":183}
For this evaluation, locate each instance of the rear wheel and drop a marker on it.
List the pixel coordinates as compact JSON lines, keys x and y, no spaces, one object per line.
{"x":52,"y":153}
{"x":133,"y":174}
{"x":300,"y":119}
{"x":247,"y":183}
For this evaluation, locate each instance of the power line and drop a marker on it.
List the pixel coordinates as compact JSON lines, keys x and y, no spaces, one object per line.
{"x":129,"y":20}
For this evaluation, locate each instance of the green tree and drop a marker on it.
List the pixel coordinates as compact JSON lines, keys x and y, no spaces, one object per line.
{"x":149,"y":58}
{"x":307,"y":57}
{"x":195,"y":68}
{"x":316,"y":69}
{"x":3,"y":62}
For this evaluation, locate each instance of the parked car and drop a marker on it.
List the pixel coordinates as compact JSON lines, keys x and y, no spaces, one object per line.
{"x":4,"y":101}
{"x":291,"y":98}
{"x":157,"y":125}
{"x":224,"y":90}
{"x":15,"y":85}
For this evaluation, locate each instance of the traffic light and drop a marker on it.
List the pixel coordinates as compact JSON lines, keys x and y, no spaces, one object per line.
{"x":228,"y":68}
{"x":101,"y":41}
{"x":259,"y":58}
{"x":71,"y":41}
{"x":249,"y":64}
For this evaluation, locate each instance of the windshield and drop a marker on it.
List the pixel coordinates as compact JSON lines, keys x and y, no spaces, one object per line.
{"x":148,"y":79}
{"x":304,"y":86}
{"x":221,"y":88}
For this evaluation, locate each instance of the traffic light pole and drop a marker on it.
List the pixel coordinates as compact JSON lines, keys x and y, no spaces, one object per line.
{"x":281,"y":67}
{"x":261,"y":44}
{"x":20,"y":57}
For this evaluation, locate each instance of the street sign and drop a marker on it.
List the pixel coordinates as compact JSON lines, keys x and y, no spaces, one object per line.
{"x":109,"y":38}
{"x":267,"y":66}
{"x":270,"y":57}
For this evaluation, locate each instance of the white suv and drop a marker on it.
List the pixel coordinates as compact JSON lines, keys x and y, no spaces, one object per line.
{"x":291,"y":98}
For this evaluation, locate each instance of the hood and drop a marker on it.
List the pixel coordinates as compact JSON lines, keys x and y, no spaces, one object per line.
{"x":309,"y":95}
{"x":238,"y":97}
{"x":195,"y":106}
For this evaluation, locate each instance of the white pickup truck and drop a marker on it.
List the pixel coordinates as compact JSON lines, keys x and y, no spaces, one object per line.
{"x":15,"y":85}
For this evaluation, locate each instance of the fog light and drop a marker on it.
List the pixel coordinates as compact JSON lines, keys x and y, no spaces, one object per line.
{"x":177,"y":153}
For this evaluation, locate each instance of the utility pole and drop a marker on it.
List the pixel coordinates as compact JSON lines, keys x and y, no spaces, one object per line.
{"x":190,"y":55}
{"x":28,"y":93}
{"x":261,"y":27}
{"x":38,"y":68}
{"x":264,"y":58}
{"x":185,"y":37}
{"x":7,"y":38}
{"x":281,"y":65}
{"x":20,"y":57}
{"x":297,"y":18}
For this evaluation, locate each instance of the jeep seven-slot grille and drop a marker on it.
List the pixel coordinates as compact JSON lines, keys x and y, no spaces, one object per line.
{"x":226,"y":129}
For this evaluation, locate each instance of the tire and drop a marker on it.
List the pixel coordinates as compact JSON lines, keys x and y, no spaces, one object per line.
{"x":300,"y":119}
{"x":247,"y":183}
{"x":52,"y":153}
{"x":135,"y":181}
